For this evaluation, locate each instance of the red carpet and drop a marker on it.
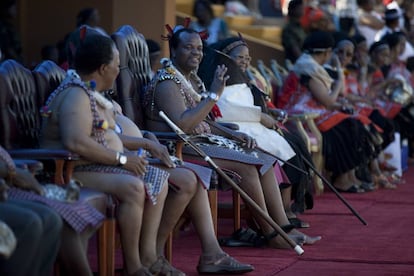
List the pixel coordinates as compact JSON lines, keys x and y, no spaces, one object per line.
{"x":383,"y":247}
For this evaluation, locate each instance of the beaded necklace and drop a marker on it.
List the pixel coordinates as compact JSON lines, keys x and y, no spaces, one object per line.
{"x":190,"y":96}
{"x":11,"y":167}
{"x":73,"y":79}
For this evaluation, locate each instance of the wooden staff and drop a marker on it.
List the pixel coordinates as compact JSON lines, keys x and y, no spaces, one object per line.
{"x":324,"y":180}
{"x":298,"y":249}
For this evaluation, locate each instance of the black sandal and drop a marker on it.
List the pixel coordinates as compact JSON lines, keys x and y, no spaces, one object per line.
{"x":286,"y":228}
{"x":243,"y":237}
{"x":298,"y":223}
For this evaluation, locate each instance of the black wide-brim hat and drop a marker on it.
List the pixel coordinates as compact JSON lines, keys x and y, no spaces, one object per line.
{"x":212,"y":58}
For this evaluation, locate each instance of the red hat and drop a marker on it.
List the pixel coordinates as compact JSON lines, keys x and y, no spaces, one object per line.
{"x":311,"y":15}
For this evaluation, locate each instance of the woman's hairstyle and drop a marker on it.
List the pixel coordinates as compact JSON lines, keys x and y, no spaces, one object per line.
{"x":206,"y":4}
{"x":393,"y":39}
{"x":410,"y":64}
{"x":293,"y":5}
{"x":362,"y":2}
{"x":93,"y":51}
{"x":378,"y":46}
{"x":153,"y":46}
{"x":358,"y":38}
{"x":228,"y":44}
{"x":84,"y":16}
{"x":318,"y":42}
{"x":73,"y":41}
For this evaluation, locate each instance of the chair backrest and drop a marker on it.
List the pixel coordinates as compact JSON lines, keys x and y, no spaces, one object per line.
{"x":135,"y":72}
{"x":47,"y":75}
{"x":290,"y":86}
{"x":19,"y":116}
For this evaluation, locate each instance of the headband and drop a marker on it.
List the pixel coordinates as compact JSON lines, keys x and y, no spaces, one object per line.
{"x":234,"y":44}
{"x":380,"y":47}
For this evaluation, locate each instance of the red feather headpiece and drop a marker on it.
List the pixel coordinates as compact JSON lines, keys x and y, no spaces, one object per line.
{"x":186,"y":24}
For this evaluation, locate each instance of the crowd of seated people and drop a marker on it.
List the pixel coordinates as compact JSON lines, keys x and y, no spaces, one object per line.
{"x":335,"y":79}
{"x":370,"y":72}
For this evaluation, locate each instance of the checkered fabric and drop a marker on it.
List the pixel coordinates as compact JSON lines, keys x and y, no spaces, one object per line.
{"x":154,"y":179}
{"x":78,"y":215}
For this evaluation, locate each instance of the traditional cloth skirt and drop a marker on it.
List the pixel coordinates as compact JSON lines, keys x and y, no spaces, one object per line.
{"x":386,"y":124}
{"x":405,"y":124}
{"x":154,"y":179}
{"x":301,"y":183}
{"x":203,"y":174}
{"x":78,"y":215}
{"x":346,"y":146}
{"x":263,"y":161}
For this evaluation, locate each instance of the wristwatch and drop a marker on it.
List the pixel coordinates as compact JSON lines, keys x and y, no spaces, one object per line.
{"x":214,"y":97}
{"x":121,"y":158}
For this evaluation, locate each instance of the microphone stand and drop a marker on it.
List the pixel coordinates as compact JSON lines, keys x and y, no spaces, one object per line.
{"x":324,"y":180}
{"x":298,"y":249}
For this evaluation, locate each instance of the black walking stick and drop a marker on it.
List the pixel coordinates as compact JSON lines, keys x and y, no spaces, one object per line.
{"x":298,"y":249}
{"x":333,"y":189}
{"x":324,"y":180}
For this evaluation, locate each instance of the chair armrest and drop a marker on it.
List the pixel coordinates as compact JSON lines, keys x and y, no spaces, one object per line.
{"x":61,"y":158}
{"x":43,"y":154}
{"x":303,"y":116}
{"x":278,"y":114}
{"x":232,"y":126}
{"x":33,"y":166}
{"x":166,"y":136}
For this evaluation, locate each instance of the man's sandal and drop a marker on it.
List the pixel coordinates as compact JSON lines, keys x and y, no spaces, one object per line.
{"x":221,"y":264}
{"x":243,"y":237}
{"x":163,"y":267}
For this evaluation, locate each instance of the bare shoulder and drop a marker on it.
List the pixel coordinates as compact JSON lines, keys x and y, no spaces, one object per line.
{"x":75,"y":98}
{"x":167,"y":88}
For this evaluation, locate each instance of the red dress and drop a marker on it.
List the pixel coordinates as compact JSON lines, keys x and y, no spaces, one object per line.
{"x":387,"y":108}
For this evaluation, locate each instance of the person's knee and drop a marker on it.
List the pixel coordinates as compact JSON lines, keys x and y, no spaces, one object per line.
{"x":247,"y":172}
{"x":132,"y":191}
{"x":187,"y":183}
{"x":53,"y":221}
{"x":33,"y":228}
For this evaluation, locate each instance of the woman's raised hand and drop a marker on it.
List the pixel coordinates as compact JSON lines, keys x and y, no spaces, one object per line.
{"x":220,"y":79}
